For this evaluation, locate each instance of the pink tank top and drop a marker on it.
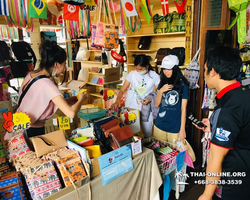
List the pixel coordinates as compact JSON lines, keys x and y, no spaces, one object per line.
{"x":37,"y":102}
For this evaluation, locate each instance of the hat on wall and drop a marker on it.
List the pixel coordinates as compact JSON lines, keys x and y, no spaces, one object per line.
{"x":169,"y":62}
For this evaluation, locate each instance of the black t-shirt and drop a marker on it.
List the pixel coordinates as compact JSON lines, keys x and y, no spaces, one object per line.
{"x":230,"y":128}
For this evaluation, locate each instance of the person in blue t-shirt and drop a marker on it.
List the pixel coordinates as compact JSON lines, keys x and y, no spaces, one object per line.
{"x":172,"y":98}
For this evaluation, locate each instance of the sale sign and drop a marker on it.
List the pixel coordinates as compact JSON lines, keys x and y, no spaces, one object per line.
{"x":15,"y":122}
{"x":64,"y":123}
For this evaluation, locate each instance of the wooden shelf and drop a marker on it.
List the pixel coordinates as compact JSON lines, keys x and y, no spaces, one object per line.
{"x":160,"y":34}
{"x":51,"y":27}
{"x":141,"y":50}
{"x":106,"y":83}
{"x":94,"y":73}
{"x":96,"y":95}
{"x":87,"y":62}
{"x":84,"y":40}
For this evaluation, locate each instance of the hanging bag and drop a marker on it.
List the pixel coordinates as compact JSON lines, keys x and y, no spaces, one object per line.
{"x":192,"y":72}
{"x":99,"y":37}
{"x":111,"y":30}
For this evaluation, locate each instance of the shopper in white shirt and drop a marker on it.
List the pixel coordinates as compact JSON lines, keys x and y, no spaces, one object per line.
{"x":139,"y":84}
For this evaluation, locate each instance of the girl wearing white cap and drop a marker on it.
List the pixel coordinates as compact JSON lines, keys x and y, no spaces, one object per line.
{"x":172,"y":98}
{"x":139,"y":84}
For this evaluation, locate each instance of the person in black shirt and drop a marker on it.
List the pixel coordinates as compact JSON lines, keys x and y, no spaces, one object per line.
{"x":230,"y":129}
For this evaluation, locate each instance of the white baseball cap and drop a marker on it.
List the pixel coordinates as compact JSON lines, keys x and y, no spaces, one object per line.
{"x":169,"y":62}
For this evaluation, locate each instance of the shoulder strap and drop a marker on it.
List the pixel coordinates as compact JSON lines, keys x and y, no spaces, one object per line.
{"x":27,"y":88}
{"x":181,"y":91}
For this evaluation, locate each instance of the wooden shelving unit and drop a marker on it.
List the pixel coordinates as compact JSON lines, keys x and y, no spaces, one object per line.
{"x":157,"y":35}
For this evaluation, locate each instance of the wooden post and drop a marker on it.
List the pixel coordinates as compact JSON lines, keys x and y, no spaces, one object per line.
{"x":35,"y":40}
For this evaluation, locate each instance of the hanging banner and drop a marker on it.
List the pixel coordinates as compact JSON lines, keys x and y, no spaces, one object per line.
{"x":71,"y":12}
{"x":129,"y":8}
{"x":38,"y":9}
{"x":4,"y":7}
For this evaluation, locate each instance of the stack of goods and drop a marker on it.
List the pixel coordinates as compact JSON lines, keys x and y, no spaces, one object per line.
{"x":41,"y":177}
{"x":11,"y":187}
{"x":4,"y":166}
{"x":69,"y":164}
{"x":83,"y":140}
{"x":16,"y":146}
{"x":173,"y":22}
{"x":110,"y":132}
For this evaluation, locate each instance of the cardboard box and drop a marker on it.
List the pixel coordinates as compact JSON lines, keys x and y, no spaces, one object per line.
{"x":95,"y":168}
{"x":112,"y":74}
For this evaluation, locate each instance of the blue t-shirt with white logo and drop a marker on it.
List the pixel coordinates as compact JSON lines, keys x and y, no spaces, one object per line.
{"x":169,"y":116}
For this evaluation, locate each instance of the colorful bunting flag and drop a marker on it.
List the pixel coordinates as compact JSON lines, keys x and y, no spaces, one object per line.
{"x":180,"y":5}
{"x":165,"y":7}
{"x":4,"y":7}
{"x":38,"y":9}
{"x":71,"y":12}
{"x":129,"y":8}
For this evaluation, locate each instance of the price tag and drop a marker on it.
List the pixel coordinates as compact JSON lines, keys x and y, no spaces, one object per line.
{"x":64,"y":123}
{"x":136,"y":147}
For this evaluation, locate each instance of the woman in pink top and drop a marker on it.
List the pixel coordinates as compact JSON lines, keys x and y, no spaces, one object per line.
{"x":43,"y":97}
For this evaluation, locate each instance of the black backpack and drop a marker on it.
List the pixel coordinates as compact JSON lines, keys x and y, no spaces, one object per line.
{"x":24,"y":54}
{"x":180,"y":53}
{"x":6,"y":61}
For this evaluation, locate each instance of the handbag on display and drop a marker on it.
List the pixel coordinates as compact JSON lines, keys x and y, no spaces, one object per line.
{"x":178,"y":22}
{"x":49,"y":142}
{"x":144,"y":43}
{"x":161,"y":23}
{"x":16,"y":146}
{"x":161,"y":53}
{"x":11,"y":186}
{"x":111,"y":31}
{"x":46,"y":35}
{"x":99,"y":36}
{"x":180,"y":53}
{"x":192,"y":72}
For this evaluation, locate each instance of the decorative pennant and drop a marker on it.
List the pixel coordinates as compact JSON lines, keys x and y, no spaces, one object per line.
{"x":129,"y":8}
{"x":165,"y":7}
{"x":180,"y":5}
{"x":38,"y":9}
{"x":4,"y":8}
{"x":71,"y":12}
{"x":146,"y":13}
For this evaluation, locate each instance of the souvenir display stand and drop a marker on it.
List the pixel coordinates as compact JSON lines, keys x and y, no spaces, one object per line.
{"x":161,"y":40}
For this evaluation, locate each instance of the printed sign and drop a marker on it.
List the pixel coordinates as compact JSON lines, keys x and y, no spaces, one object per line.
{"x":16,"y":122}
{"x":63,"y":123}
{"x":115,"y":163}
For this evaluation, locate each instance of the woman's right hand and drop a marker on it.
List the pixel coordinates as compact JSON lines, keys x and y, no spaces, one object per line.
{"x":166,"y":88}
{"x":114,"y":106}
{"x":83,"y":96}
